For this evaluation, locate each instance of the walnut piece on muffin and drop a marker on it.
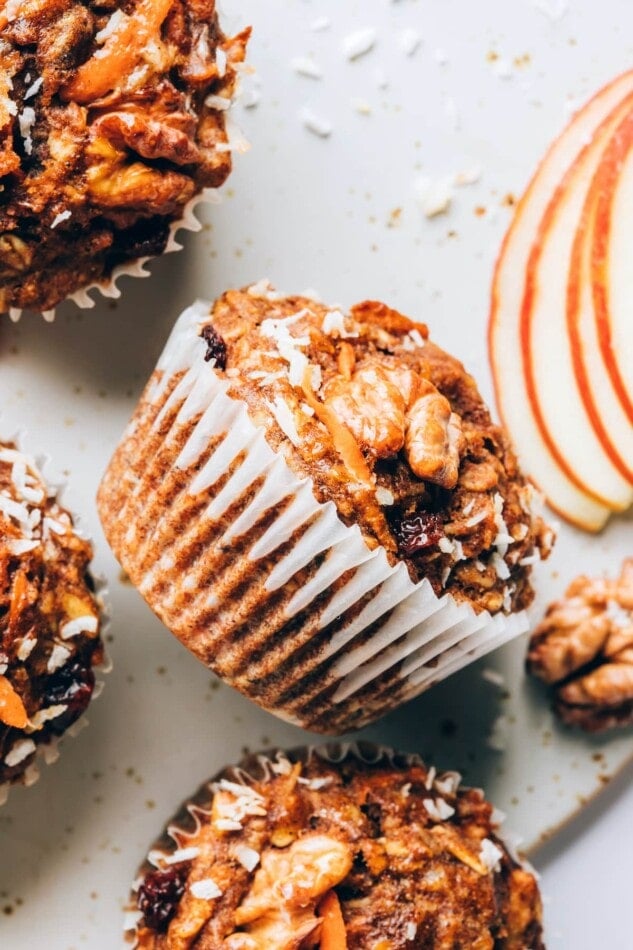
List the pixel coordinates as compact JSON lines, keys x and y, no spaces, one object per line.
{"x":49,"y":617}
{"x":584,"y":649}
{"x":346,"y":848}
{"x":393,"y":430}
{"x":112,"y":117}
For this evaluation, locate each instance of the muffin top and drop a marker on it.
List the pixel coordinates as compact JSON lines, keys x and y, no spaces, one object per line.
{"x":112,"y":116}
{"x":49,"y":616}
{"x":392,"y":430}
{"x":584,"y":648}
{"x":348,"y":849}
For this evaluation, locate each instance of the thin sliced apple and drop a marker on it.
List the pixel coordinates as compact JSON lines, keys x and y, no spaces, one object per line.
{"x":507,"y":295}
{"x":551,"y":383}
{"x":595,"y":383}
{"x":612,"y":270}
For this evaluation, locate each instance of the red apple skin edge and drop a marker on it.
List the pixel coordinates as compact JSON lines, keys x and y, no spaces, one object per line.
{"x":494,"y":308}
{"x":525,"y":318}
{"x":609,"y":166}
{"x":605,"y":189}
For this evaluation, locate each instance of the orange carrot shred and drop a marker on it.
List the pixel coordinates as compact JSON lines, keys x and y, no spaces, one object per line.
{"x":119,"y":54}
{"x":333,"y":933}
{"x":12,"y":711}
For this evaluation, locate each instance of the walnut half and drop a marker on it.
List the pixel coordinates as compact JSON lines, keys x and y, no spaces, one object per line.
{"x":584,"y":648}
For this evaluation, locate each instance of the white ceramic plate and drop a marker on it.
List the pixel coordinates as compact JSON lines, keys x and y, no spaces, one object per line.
{"x":489,"y":87}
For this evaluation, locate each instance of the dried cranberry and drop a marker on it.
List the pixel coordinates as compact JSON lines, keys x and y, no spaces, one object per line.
{"x":160,"y":893}
{"x":216,"y":347}
{"x":72,"y":686}
{"x":418,"y":531}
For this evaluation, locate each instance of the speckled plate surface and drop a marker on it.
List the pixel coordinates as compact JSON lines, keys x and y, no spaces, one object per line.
{"x":488,"y":87}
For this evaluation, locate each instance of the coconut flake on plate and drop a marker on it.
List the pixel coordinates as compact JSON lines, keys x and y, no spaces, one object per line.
{"x":359,"y":43}
{"x":306,"y":66}
{"x":315,"y":123}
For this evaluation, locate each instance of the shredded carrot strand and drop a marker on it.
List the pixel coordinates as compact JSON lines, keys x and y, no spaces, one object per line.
{"x":344,"y":442}
{"x":12,"y":711}
{"x":119,"y":54}
{"x":333,"y":933}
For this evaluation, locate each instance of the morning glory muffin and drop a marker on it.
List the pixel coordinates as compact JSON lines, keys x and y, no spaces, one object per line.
{"x":112,"y":118}
{"x":342,"y":848}
{"x":50,"y":619}
{"x":317,"y":503}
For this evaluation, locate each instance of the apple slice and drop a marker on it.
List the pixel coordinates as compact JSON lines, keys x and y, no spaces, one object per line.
{"x":595,"y":383}
{"x":612,"y":270}
{"x":507,"y":296}
{"x":551,"y":383}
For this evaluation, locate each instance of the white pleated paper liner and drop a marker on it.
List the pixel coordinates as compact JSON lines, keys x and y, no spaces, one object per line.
{"x":46,"y":753}
{"x":265,"y":584}
{"x":176,"y":842}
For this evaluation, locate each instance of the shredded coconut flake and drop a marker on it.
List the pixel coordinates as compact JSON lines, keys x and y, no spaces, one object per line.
{"x":46,"y":715}
{"x":285,"y":419}
{"x":359,"y":43}
{"x":26,"y":648}
{"x":490,"y":855}
{"x":220,"y":62}
{"x":384,"y":496}
{"x":26,"y":120}
{"x":73,"y":628}
{"x":434,"y":196}
{"x":219,"y":103}
{"x":438,"y":809}
{"x":20,"y":751}
{"x":34,"y":88}
{"x":305,"y":66}
{"x":59,"y":655}
{"x":320,"y":23}
{"x":62,"y":216}
{"x":206,"y":890}
{"x":247,"y":857}
{"x":316,"y":124}
{"x":182,"y":854}
{"x":410,"y":41}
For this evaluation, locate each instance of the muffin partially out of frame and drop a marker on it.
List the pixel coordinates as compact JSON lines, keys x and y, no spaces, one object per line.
{"x":319,"y":506}
{"x":49,"y":619}
{"x":112,"y":117}
{"x":342,"y":848}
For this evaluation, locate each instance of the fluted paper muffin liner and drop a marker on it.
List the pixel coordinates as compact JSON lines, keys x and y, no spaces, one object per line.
{"x":177,"y":840}
{"x":265,"y":584}
{"x":49,"y":752}
{"x":134,"y":268}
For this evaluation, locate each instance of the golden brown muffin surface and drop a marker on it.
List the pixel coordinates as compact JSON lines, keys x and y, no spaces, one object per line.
{"x":375,"y":852}
{"x":393,"y":430}
{"x":111,"y":119}
{"x":49,"y":616}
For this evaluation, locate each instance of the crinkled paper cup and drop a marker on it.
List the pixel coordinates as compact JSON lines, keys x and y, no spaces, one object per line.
{"x":262,"y":582}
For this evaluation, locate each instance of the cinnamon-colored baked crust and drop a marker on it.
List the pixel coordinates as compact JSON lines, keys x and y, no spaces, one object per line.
{"x":393,"y":430}
{"x":583,"y":647}
{"x":375,"y":851}
{"x":49,"y":616}
{"x":111,"y":119}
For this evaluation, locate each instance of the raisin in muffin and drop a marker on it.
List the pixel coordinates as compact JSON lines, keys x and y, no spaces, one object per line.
{"x":320,"y":507}
{"x":335,"y":848}
{"x":112,"y":117}
{"x":583,"y":648}
{"x":49,"y":618}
